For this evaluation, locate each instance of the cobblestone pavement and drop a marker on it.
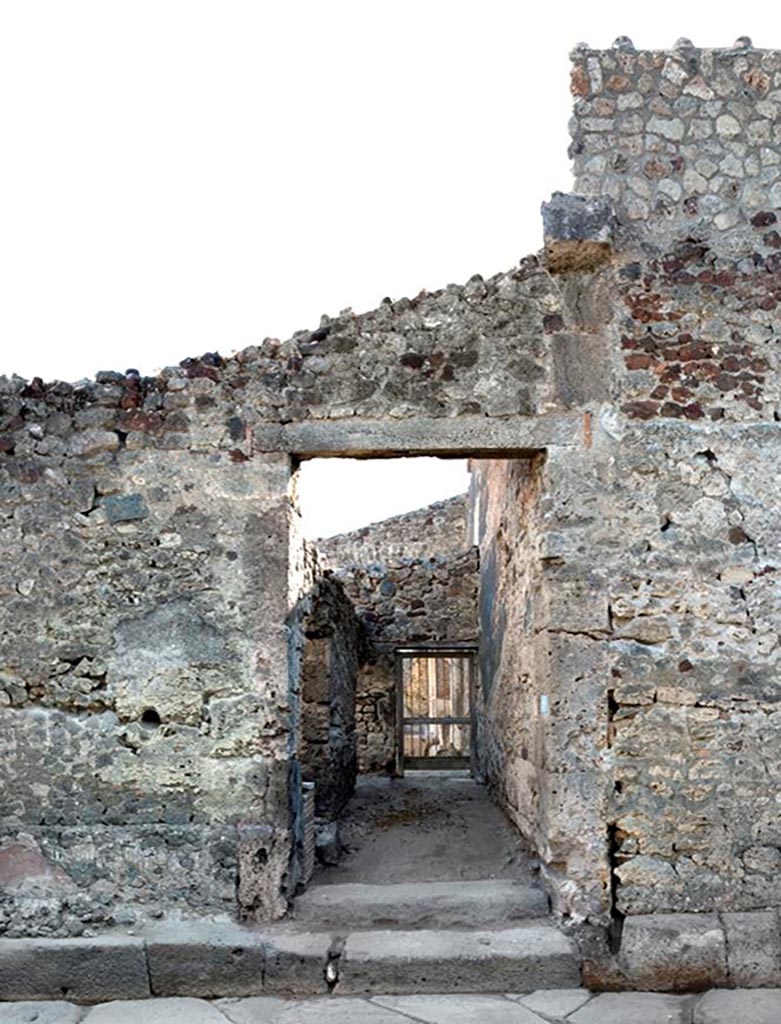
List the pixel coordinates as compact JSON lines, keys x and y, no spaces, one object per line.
{"x":719,"y":1006}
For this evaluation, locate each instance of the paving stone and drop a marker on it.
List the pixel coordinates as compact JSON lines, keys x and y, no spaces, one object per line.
{"x":55,"y":1012}
{"x":308,"y":1011}
{"x":634,"y":1008}
{"x":726,"y":1006}
{"x":205,"y":960}
{"x":156,"y":1011}
{"x":256,"y":1010}
{"x":466,"y":1009}
{"x":528,"y":957}
{"x":89,"y":970}
{"x":555,"y":1002}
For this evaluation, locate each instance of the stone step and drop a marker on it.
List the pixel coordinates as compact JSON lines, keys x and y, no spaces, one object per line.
{"x":209,"y":960}
{"x":530,"y":956}
{"x":410,"y":905}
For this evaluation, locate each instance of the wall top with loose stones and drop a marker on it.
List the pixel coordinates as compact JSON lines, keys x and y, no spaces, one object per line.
{"x":686,"y":142}
{"x":439,"y":529}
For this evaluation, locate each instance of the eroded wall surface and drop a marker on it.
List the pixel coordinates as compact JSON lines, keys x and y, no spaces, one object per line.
{"x":439,"y":528}
{"x":687,"y":145}
{"x":143,"y":672}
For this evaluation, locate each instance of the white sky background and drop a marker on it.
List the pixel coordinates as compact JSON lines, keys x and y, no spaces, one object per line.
{"x":179,"y":176}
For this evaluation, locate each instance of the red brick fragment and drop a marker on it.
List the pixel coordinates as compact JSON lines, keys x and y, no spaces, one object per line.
{"x":579,"y":83}
{"x":641,"y":410}
{"x":639,"y":361}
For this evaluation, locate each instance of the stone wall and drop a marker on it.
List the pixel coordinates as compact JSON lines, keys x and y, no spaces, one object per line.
{"x":150,"y":643}
{"x":142,"y":763}
{"x":685,"y":142}
{"x":332,"y":651}
{"x":542,"y":712}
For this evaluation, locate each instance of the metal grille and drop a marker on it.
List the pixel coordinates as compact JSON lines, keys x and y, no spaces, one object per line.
{"x":435,"y":708}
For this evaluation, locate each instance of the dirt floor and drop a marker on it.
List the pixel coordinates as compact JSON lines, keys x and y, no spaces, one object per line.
{"x":426,"y":827}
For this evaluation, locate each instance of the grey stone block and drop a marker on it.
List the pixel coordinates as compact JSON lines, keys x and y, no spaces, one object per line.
{"x":473,"y":435}
{"x":296,"y":962}
{"x":157,"y":1011}
{"x":528,"y":957}
{"x":634,"y":1008}
{"x":571,"y":217}
{"x":328,"y":843}
{"x":753,"y":948}
{"x":85,"y":970}
{"x":55,"y":1012}
{"x":256,"y":1010}
{"x":203,"y":960}
{"x":580,"y":368}
{"x":673,"y":952}
{"x":759,"y":1006}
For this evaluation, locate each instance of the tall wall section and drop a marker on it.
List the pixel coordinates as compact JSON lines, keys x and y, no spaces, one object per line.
{"x":143,"y":670}
{"x":687,"y":145}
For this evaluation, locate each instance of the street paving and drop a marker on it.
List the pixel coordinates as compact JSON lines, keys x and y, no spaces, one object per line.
{"x":550,"y":1006}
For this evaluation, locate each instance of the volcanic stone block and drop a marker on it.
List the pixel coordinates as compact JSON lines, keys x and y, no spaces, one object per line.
{"x":85,"y":970}
{"x":205,"y":960}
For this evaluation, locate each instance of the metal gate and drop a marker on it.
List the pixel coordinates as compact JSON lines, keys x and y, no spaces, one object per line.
{"x":435,"y":688}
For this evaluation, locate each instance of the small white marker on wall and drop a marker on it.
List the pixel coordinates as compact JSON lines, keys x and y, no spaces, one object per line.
{"x":544,"y":704}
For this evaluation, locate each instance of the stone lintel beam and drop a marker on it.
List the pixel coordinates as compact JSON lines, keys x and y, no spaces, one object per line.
{"x":578,"y":232}
{"x":459,"y":437}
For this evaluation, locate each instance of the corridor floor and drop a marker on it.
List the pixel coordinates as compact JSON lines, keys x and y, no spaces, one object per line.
{"x":426,"y":827}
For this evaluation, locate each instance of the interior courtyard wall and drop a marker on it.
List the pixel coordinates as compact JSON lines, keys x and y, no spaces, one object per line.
{"x":412,"y":579}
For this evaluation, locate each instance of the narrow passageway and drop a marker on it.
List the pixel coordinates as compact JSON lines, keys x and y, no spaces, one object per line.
{"x":426,"y":851}
{"x":426,"y":827}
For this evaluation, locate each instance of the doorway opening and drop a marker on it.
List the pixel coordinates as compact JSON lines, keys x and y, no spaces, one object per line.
{"x":425,"y":697}
{"x":435,"y":710}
